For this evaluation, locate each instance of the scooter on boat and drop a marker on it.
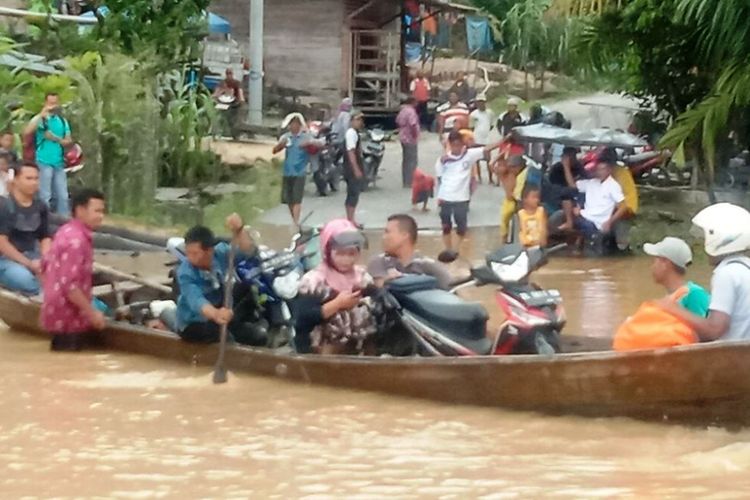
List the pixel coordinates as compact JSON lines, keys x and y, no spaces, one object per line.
{"x":443,"y":324}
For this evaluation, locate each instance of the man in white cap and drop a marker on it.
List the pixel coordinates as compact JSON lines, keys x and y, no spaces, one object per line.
{"x":672,"y":256}
{"x":726,"y":230}
{"x":294,"y":141}
{"x":511,"y":118}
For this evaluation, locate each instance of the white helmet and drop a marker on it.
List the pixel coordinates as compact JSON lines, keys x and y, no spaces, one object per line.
{"x":726,"y":228}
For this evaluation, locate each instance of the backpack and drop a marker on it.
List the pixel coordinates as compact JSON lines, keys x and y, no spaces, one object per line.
{"x":651,"y":327}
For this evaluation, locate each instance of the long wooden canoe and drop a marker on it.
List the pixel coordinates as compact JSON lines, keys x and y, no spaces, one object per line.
{"x":704,"y":384}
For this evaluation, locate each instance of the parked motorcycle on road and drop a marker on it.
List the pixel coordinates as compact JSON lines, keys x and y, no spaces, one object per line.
{"x":326,"y":162}
{"x":443,"y":324}
{"x":373,"y":151}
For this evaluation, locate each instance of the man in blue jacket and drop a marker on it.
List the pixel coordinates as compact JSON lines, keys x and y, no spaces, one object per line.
{"x":202,"y":278}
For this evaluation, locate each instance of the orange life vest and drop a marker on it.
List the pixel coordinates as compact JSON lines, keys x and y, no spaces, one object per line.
{"x":651,"y":327}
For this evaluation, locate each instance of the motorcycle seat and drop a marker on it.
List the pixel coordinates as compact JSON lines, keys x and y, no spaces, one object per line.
{"x":461,"y":321}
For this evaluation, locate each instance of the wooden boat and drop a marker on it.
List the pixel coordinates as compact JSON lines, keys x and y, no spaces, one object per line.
{"x":704,"y":383}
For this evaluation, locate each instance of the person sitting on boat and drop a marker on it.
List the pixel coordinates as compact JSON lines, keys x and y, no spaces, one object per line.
{"x":25,"y":236}
{"x":201,"y":279}
{"x":401,"y":257}
{"x":726,"y":229}
{"x":332,"y":313}
{"x":653,"y":327}
{"x":68,"y":312}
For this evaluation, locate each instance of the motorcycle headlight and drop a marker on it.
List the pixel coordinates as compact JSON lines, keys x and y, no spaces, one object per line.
{"x":287,"y":286}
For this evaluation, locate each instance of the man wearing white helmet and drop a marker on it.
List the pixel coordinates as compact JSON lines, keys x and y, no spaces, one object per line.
{"x":726,"y":229}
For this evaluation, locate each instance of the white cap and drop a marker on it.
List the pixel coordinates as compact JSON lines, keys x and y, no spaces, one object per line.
{"x":674,"y":250}
{"x":514,"y":101}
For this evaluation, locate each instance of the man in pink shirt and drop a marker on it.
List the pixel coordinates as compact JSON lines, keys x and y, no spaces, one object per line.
{"x":408,"y":132}
{"x":67,"y":310}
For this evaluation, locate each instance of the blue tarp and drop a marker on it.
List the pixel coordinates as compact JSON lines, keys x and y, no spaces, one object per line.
{"x":413,"y":52}
{"x":218,"y":25}
{"x":478,"y":34}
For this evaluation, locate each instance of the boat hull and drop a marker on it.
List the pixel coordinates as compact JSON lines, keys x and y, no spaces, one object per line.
{"x":703,"y":384}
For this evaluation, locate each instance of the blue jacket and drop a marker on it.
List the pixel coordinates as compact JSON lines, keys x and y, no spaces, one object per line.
{"x":199,"y":287}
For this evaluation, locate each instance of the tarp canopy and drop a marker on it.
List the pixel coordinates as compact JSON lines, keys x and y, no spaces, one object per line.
{"x":541,"y":132}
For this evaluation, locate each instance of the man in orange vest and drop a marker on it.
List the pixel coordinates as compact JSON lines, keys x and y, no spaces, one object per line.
{"x":420,"y":90}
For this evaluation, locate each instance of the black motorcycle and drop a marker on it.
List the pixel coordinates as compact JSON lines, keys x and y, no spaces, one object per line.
{"x":326,"y":162}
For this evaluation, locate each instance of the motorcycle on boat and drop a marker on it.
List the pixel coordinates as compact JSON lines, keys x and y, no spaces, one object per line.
{"x":271,"y":277}
{"x":443,"y":324}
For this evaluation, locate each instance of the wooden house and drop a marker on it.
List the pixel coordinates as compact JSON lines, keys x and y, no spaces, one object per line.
{"x":328,"y":49}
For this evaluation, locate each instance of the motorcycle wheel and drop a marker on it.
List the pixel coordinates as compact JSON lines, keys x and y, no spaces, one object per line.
{"x":320,"y":183}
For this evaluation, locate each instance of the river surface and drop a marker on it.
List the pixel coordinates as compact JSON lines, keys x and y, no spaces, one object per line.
{"x":123,"y":426}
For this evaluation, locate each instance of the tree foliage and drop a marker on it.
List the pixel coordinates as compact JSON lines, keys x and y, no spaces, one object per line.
{"x":169,"y":29}
{"x":724,"y":45}
{"x":653,"y":52}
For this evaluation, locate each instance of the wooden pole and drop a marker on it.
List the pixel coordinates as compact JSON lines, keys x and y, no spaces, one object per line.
{"x":26,"y":14}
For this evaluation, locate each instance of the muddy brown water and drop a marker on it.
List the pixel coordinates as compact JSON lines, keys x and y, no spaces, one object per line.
{"x":122,"y":426}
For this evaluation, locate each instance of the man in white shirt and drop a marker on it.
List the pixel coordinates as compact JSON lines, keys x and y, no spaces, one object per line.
{"x":604,"y":207}
{"x":480,"y":121}
{"x":726,"y":229}
{"x":353,"y":171}
{"x":454,"y":171}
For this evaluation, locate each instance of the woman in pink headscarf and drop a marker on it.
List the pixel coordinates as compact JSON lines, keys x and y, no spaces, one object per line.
{"x":347,"y":325}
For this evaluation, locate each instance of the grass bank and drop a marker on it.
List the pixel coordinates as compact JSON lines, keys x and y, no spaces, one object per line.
{"x":263,"y":180}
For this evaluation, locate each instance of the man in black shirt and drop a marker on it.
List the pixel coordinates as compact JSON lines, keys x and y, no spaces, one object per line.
{"x":24,"y":233}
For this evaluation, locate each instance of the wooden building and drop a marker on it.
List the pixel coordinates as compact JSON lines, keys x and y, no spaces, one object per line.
{"x":329,"y":48}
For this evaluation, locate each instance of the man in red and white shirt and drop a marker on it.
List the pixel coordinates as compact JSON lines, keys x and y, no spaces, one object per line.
{"x":67,"y":310}
{"x":453,"y":115}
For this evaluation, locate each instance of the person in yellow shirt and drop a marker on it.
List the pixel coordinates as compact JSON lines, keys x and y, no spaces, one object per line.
{"x":513,"y":178}
{"x":532,"y":219}
{"x":624,"y":178}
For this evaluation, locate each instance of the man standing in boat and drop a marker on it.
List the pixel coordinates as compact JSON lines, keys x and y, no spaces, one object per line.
{"x":201,"y":278}
{"x":400,"y":255}
{"x":67,"y":311}
{"x":24,"y":233}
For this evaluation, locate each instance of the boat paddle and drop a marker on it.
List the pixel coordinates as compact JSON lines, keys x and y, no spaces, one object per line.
{"x":220,"y":369}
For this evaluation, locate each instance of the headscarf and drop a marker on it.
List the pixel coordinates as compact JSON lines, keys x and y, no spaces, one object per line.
{"x":335,"y":279}
{"x":346,"y":105}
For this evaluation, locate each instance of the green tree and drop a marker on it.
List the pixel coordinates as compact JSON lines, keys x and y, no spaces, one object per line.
{"x":724,"y":44}
{"x":653,"y":53}
{"x":169,"y":29}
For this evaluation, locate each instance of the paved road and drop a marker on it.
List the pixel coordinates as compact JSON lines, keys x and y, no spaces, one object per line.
{"x":389,"y":198}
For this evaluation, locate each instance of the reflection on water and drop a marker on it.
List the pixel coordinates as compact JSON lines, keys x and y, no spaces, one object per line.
{"x":119,"y":426}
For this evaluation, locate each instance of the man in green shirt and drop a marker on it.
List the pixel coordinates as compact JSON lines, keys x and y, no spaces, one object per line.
{"x":672,"y":256}
{"x":52,"y":132}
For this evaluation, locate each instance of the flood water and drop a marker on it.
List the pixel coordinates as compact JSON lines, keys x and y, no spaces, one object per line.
{"x":121,"y":426}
